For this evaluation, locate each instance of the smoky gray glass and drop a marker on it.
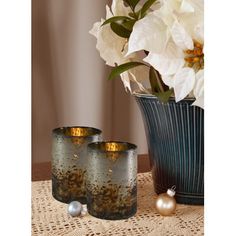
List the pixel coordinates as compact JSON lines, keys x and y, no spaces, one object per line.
{"x":69,"y":162}
{"x":111,"y":183}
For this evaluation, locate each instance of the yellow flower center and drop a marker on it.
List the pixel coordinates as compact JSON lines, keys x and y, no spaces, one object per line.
{"x":195,"y":58}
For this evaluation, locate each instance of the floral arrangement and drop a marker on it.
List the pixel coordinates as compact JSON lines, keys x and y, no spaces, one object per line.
{"x":155,"y":46}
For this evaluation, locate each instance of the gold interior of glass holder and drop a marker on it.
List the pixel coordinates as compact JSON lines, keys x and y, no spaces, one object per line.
{"x":112,"y":146}
{"x":77,"y":131}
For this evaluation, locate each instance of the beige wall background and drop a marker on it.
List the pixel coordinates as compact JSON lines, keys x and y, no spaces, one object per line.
{"x":69,"y":85}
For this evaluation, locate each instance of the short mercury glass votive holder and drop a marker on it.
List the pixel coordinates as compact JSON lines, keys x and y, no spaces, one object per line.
{"x":111,"y":183}
{"x":69,"y":162}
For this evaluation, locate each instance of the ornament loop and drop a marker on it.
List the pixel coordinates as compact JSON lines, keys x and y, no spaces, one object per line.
{"x":173,"y":187}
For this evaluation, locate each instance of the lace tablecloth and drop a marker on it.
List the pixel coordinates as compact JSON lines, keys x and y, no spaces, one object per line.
{"x":50,"y":217}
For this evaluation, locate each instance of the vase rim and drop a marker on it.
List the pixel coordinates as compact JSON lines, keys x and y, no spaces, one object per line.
{"x":151,"y":96}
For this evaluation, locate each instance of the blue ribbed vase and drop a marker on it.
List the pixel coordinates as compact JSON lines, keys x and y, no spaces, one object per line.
{"x":175,"y":136}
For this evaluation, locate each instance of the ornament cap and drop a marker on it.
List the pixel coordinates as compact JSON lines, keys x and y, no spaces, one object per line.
{"x":171,"y":191}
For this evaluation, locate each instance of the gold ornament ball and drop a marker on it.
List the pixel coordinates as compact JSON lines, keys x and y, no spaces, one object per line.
{"x":165,"y":204}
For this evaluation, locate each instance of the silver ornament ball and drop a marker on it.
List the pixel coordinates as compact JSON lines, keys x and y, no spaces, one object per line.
{"x":74,"y":208}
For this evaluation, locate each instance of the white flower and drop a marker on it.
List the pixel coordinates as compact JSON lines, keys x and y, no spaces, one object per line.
{"x":180,"y":36}
{"x":184,"y":81}
{"x":110,"y":45}
{"x":112,"y":48}
{"x":169,"y":61}
{"x":193,"y":21}
{"x":174,"y":39}
{"x":199,"y":89}
{"x":118,"y":8}
{"x":138,"y":75}
{"x":189,"y":14}
{"x":173,"y":35}
{"x":149,"y":33}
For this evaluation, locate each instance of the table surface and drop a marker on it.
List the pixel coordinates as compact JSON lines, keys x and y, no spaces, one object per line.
{"x":50,"y":217}
{"x":42,"y":171}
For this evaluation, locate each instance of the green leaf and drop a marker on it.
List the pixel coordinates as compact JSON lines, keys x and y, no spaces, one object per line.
{"x":120,"y":30}
{"x":132,"y":3}
{"x":133,"y":15}
{"x":164,"y":96}
{"x":146,"y":7}
{"x":129,"y":24}
{"x":155,"y":81}
{"x":124,"y":67}
{"x":115,"y":19}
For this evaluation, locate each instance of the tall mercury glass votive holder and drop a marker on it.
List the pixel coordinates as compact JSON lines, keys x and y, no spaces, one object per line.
{"x":111,"y":183}
{"x":69,"y":162}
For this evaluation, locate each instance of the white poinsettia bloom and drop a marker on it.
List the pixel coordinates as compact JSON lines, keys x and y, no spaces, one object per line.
{"x":112,"y":48}
{"x":134,"y":79}
{"x":110,"y":45}
{"x":169,"y":61}
{"x":137,"y":75}
{"x":188,"y":13}
{"x":118,"y":8}
{"x":184,"y":81}
{"x":199,"y":89}
{"x":146,"y":32}
{"x":179,"y":68}
{"x":194,"y":22}
{"x":182,"y":58}
{"x":173,"y":35}
{"x":181,"y":37}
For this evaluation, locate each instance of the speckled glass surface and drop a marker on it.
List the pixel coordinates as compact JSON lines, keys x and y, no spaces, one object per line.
{"x":69,"y":162}
{"x":111,"y":180}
